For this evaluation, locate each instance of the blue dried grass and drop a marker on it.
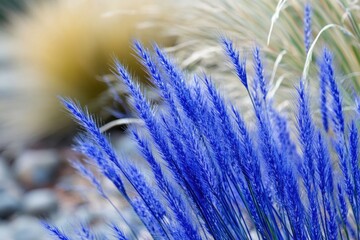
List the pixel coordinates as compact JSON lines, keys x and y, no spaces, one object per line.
{"x":216,"y":178}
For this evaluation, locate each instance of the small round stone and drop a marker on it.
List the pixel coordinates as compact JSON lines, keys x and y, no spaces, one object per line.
{"x":40,"y":202}
{"x":37,"y":168}
{"x":5,"y":174}
{"x":28,"y":228}
{"x":8,"y":204}
{"x":5,"y":231}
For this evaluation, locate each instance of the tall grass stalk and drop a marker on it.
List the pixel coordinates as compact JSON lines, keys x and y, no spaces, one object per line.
{"x":216,"y":177}
{"x":274,"y":25}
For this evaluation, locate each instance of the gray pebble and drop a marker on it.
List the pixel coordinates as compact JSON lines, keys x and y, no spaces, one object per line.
{"x":40,"y":202}
{"x":4,"y":171}
{"x":28,"y":228}
{"x":37,"y":168}
{"x":7,"y":182}
{"x":9,"y":204}
{"x":5,"y":231}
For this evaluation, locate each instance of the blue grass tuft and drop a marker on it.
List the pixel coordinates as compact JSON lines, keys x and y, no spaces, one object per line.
{"x":355,"y":171}
{"x":239,"y":65}
{"x":323,"y":95}
{"x":259,"y":73}
{"x":327,"y":68}
{"x":307,"y":27}
{"x":216,"y":176}
{"x":306,"y":135}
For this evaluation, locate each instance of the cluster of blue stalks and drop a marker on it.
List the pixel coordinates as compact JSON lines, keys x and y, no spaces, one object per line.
{"x":216,"y":177}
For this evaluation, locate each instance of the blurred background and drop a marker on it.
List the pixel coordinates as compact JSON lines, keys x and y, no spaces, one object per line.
{"x":53,"y":48}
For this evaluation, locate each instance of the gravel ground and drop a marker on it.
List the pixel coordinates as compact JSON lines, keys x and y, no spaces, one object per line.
{"x":39,"y":184}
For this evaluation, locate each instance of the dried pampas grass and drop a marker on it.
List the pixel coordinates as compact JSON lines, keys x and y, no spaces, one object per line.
{"x":63,"y":48}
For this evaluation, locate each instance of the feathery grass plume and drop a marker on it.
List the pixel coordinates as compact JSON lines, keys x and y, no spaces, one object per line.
{"x":306,"y":134}
{"x":307,"y":27}
{"x":65,"y":47}
{"x":235,"y":59}
{"x":323,"y":95}
{"x":250,"y":21}
{"x":355,"y":171}
{"x":214,"y":180}
{"x":337,"y":115}
{"x":214,"y":176}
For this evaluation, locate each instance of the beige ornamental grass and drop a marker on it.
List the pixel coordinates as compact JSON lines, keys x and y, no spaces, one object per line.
{"x":277,"y":27}
{"x":63,"y":48}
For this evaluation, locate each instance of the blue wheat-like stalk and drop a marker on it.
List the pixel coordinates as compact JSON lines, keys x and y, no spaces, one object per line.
{"x":217,"y":176}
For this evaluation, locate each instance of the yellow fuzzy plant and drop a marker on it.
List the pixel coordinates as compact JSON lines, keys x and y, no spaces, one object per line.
{"x":62,"y":48}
